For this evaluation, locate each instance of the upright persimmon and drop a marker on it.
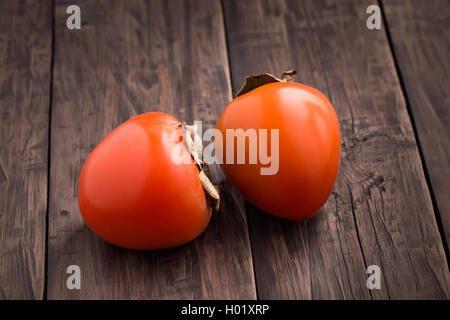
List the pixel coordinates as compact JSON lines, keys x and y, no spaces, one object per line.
{"x":308,"y":147}
{"x":131,"y":192}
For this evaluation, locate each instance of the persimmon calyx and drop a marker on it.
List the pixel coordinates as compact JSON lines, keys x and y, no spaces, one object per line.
{"x":253,"y":82}
{"x":193,"y":143}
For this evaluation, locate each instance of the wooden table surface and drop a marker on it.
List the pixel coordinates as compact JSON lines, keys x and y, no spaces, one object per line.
{"x":62,"y":91}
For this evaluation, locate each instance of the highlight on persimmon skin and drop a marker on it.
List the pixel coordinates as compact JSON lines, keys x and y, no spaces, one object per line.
{"x":309,"y":147}
{"x":133,"y":195}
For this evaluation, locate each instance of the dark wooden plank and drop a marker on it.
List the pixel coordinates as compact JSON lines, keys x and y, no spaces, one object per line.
{"x":25,"y":63}
{"x":380,"y":211}
{"x":132,"y":57}
{"x":421,"y":39}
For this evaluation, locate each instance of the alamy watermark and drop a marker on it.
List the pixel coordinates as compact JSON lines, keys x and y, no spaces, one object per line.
{"x":374,"y":20}
{"x":250,"y":146}
{"x":74,"y":280}
{"x":74,"y":20}
{"x":374,"y":280}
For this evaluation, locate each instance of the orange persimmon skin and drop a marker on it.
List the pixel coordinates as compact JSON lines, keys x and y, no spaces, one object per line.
{"x":133,"y":195}
{"x":309,"y":148}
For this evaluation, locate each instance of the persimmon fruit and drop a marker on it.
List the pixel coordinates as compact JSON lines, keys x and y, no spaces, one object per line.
{"x":308,"y":147}
{"x":131,"y":192}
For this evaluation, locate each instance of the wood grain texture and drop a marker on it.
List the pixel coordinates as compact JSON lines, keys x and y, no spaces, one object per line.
{"x":132,"y":57}
{"x":380,"y":211}
{"x":420,"y":34}
{"x":25,"y":64}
